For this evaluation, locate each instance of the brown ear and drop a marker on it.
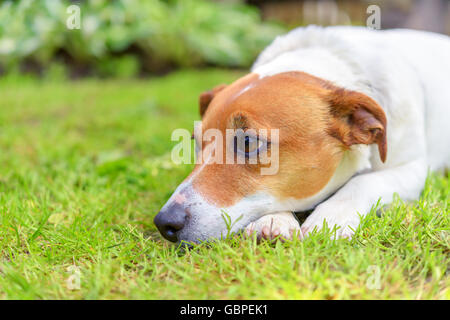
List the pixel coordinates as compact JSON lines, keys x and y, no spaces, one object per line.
{"x":206,"y":98}
{"x":358,"y":119}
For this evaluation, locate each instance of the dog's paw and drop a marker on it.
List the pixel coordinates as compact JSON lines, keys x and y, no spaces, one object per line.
{"x":340,"y":220}
{"x":279,"y":226}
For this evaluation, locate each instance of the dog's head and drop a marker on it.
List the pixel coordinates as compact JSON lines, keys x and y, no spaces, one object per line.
{"x":302,"y":124}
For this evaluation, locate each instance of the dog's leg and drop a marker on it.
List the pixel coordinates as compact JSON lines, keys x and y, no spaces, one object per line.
{"x":282,"y":224}
{"x":359,"y":194}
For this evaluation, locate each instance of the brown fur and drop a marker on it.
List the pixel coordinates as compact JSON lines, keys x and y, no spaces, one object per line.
{"x":206,"y":97}
{"x":317,"y":122}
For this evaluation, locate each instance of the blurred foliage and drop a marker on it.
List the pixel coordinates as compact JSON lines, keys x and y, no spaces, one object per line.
{"x":124,"y":37}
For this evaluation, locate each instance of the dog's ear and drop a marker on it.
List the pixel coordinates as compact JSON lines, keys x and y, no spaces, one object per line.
{"x":206,"y":98}
{"x":357,"y":119}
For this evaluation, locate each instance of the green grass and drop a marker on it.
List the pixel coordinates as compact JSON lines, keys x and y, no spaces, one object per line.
{"x":85,"y":166}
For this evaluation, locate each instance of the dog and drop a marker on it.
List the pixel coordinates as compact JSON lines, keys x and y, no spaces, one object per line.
{"x":362,"y":114}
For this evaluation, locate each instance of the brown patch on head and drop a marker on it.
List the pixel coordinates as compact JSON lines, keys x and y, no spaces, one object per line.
{"x":316,"y":123}
{"x":206,"y":97}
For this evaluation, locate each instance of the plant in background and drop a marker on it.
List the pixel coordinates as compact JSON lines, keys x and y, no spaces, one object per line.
{"x":131,"y":35}
{"x":30,"y":31}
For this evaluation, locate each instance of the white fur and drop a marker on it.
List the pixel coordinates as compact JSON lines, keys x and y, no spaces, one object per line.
{"x":282,"y":225}
{"x":407,"y":73}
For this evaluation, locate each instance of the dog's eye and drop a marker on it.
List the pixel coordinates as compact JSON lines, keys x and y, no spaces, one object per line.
{"x":247,"y":145}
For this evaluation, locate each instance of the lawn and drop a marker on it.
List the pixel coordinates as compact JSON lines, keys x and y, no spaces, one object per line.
{"x":85,"y":166}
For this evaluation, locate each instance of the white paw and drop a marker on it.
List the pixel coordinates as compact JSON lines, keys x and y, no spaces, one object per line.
{"x":281,"y":226}
{"x":340,"y":218}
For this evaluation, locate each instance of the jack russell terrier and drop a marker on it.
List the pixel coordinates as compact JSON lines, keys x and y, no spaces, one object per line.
{"x":361,"y":114}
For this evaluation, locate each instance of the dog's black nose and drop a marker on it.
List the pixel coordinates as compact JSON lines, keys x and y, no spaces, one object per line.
{"x":171,"y":220}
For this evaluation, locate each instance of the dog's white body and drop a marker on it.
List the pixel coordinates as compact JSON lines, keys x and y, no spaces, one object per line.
{"x":408,"y":73}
